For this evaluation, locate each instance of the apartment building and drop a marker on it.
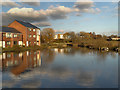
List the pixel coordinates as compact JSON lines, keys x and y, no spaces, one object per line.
{"x":31,"y":33}
{"x":10,"y":37}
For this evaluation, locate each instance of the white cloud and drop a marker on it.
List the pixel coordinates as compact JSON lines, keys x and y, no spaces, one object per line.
{"x":42,"y":24}
{"x":8,"y":3}
{"x":31,"y":2}
{"x":31,"y":15}
{"x":25,"y":14}
{"x":85,"y":7}
{"x":105,"y":7}
{"x":59,"y":12}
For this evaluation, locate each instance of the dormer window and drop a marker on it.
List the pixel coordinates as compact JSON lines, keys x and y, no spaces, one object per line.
{"x":33,"y":30}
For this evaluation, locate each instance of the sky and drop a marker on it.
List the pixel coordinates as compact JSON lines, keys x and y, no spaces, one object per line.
{"x":99,"y":17}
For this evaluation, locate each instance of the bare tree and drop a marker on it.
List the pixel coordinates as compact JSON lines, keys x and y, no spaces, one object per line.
{"x":47,"y":35}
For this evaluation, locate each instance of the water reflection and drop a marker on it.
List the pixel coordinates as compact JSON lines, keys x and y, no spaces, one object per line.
{"x":68,"y":67}
{"x":20,"y":62}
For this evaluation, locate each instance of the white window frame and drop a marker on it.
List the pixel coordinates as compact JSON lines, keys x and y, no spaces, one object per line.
{"x":27,"y":43}
{"x":30,"y":35}
{"x":34,"y":36}
{"x":30,"y":29}
{"x":38,"y":38}
{"x":15,"y":35}
{"x":20,"y":43}
{"x":34,"y":30}
{"x":38,"y":31}
{"x":3,"y":44}
{"x":8,"y":35}
{"x":8,"y":42}
{"x":4,"y":34}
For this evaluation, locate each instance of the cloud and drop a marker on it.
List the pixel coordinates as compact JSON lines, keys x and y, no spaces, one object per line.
{"x":41,"y":16}
{"x":25,"y":14}
{"x":59,"y":31}
{"x":8,"y":3}
{"x":59,"y":12}
{"x":85,"y":7}
{"x":42,"y":24}
{"x":31,"y":2}
{"x":31,"y":15}
{"x":98,"y":10}
{"x":105,"y":7}
{"x":85,"y":79}
{"x":78,"y":14}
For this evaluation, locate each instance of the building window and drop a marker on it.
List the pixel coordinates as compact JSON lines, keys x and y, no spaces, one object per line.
{"x":4,"y":35}
{"x":15,"y":35}
{"x":8,"y":55}
{"x":30,"y":35}
{"x":15,"y":42}
{"x":29,"y":42}
{"x":33,"y":30}
{"x":8,"y":42}
{"x":8,"y":35}
{"x":34,"y":36}
{"x":20,"y":42}
{"x":38,"y":32}
{"x":30,"y":29}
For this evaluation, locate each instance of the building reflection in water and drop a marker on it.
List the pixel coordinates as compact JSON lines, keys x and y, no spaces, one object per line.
{"x":57,"y":50}
{"x":18,"y":63}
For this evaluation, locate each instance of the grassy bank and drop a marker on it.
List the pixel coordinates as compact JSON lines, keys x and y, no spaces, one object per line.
{"x":22,"y":49}
{"x":99,"y":43}
{"x":91,"y":44}
{"x":96,"y":45}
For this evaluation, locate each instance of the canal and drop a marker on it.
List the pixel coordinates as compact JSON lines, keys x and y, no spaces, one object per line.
{"x":60,"y":68}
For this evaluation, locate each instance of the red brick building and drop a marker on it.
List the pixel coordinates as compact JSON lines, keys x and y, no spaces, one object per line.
{"x":10,"y":37}
{"x":31,"y":33}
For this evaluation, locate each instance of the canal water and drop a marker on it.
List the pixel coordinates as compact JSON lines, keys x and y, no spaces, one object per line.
{"x":60,"y":68}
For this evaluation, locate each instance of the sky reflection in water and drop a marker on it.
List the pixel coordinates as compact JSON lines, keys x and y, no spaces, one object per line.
{"x":60,"y":68}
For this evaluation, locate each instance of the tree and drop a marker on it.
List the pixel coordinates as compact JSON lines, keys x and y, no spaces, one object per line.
{"x":47,"y":35}
{"x":73,"y":37}
{"x":66,"y":35}
{"x":85,"y":35}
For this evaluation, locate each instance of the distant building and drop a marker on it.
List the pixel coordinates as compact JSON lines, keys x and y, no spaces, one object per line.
{"x":114,"y":39}
{"x":59,"y":36}
{"x":10,"y":37}
{"x":31,"y":33}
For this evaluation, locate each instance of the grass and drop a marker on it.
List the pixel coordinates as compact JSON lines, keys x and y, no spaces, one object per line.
{"x":89,"y":43}
{"x":17,"y":48}
{"x":99,"y":43}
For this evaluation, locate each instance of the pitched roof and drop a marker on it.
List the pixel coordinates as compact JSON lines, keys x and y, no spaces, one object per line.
{"x":26,"y":24}
{"x":8,"y":29}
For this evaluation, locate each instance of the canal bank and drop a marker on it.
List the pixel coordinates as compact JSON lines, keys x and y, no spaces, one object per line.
{"x":17,"y":48}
